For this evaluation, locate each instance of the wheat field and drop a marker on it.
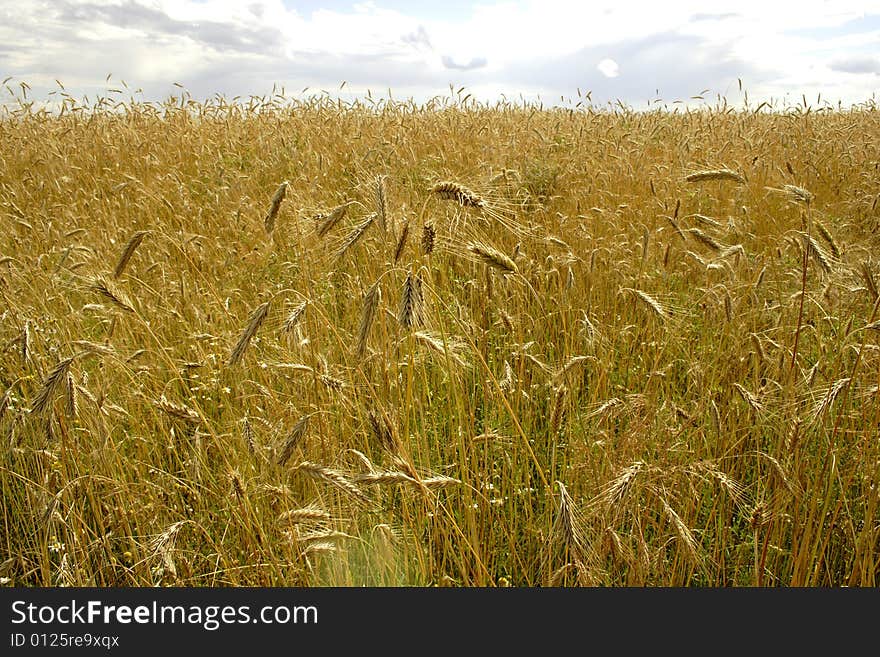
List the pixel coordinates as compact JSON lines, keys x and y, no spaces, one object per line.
{"x":276,"y":342}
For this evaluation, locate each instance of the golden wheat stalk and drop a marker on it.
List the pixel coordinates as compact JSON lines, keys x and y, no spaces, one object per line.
{"x":447,"y":189}
{"x":385,"y":478}
{"x":322,"y":547}
{"x":439,"y":481}
{"x":332,"y":477}
{"x":294,"y":316}
{"x":274,"y":207}
{"x":43,"y":400}
{"x":676,"y":227}
{"x":570,"y":364}
{"x":130,"y":247}
{"x":293,"y":439}
{"x":401,"y":241}
{"x":706,"y":240}
{"x":557,"y":413}
{"x":441,"y":346}
{"x":815,"y":249}
{"x":507,"y":383}
{"x":109,"y":292}
{"x":328,"y":221}
{"x":429,"y":237}
{"x":780,"y":473}
{"x":759,"y":348}
{"x":617,"y":490}
{"x":88,"y":347}
{"x":728,"y":251}
{"x":651,"y":302}
{"x":749,"y":398}
{"x":798,"y":194}
{"x":411,"y":302}
{"x":368,"y":314}
{"x":247,"y":432}
{"x":291,"y":367}
{"x":703,"y":219}
{"x":557,"y":578}
{"x":383,"y":431}
{"x":71,"y":398}
{"x":541,"y":365}
{"x":493,"y":257}
{"x":715,"y":174}
{"x":735,"y":489}
{"x":568,"y":527}
{"x":253,"y":325}
{"x":381,"y":194}
{"x":868,"y":278}
{"x":26,"y":341}
{"x":331,"y":382}
{"x":686,"y":538}
{"x":163,"y":545}
{"x":364,"y":459}
{"x":178,"y":411}
{"x":831,"y":395}
{"x":605,"y":406}
{"x":794,"y":193}
{"x":238,"y":485}
{"x":828,"y":237}
{"x":355,"y":235}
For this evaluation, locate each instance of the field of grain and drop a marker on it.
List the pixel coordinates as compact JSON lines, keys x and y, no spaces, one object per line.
{"x":313,"y":343}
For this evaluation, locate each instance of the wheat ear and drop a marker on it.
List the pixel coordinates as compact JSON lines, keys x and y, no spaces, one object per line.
{"x":250,"y":330}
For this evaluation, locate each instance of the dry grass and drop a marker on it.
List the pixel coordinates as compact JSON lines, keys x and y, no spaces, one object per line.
{"x":613,"y":364}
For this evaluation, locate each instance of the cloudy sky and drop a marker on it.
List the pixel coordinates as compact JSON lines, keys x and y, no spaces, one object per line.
{"x":635,"y":52}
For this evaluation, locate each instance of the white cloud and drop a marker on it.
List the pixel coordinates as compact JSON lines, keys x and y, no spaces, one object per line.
{"x":857,"y":64}
{"x":608,"y":68}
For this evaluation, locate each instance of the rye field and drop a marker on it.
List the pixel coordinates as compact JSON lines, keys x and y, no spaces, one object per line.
{"x":268,"y":342}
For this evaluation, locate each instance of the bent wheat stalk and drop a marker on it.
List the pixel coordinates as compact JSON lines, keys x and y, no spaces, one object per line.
{"x":368,"y":314}
{"x":447,"y":189}
{"x":715,"y":174}
{"x":133,"y":243}
{"x":250,"y":330}
{"x":51,"y":385}
{"x":272,"y":214}
{"x":493,"y":257}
